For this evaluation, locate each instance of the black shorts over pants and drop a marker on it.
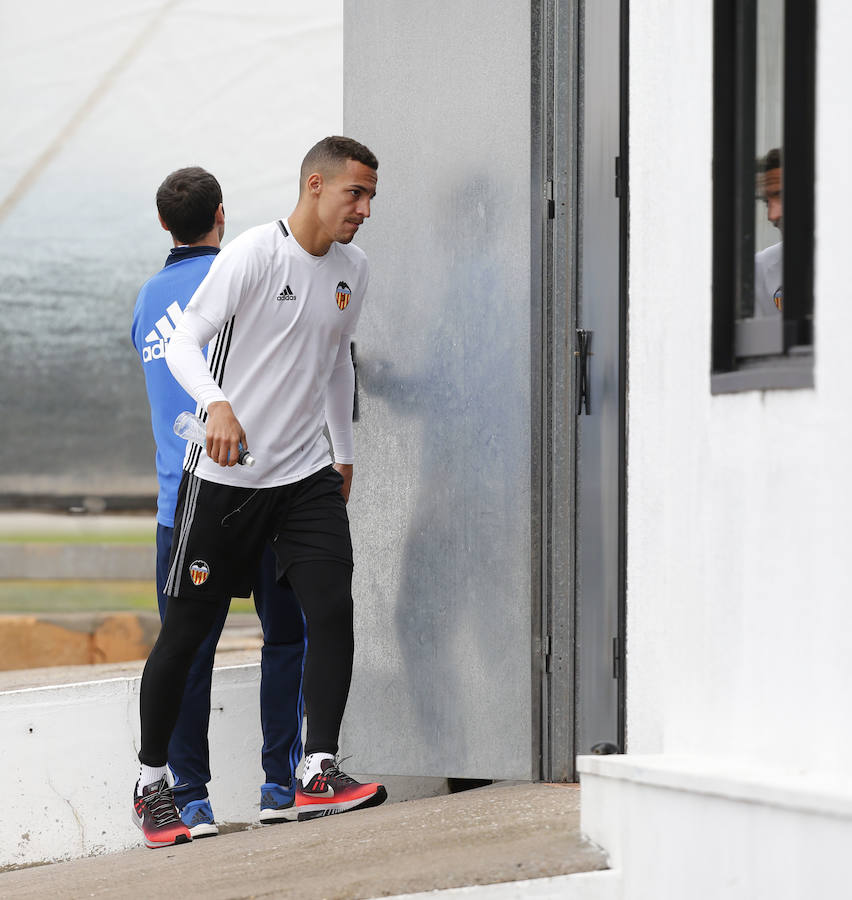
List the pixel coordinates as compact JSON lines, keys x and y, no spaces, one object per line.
{"x":221,"y":530}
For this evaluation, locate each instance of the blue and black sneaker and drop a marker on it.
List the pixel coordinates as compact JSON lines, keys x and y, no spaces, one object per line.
{"x":277,"y":804}
{"x":197,"y":815}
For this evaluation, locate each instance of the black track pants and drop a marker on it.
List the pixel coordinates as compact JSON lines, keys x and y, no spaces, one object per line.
{"x":323,"y":589}
{"x":186,"y":624}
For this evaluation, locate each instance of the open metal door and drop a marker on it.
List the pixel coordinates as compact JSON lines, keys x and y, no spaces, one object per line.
{"x":583,"y":335}
{"x":599,"y":348}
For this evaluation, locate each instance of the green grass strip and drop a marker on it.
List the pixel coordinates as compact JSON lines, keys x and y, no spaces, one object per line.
{"x":35,"y":596}
{"x":92,"y":537}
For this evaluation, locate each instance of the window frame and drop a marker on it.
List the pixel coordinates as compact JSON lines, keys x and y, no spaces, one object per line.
{"x":757,"y":354}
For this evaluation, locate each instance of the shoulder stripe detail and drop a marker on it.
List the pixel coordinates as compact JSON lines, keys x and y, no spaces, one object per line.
{"x":192,"y":459}
{"x":195,"y":451}
{"x":283,"y":229}
{"x":218,"y":356}
{"x":220,"y":351}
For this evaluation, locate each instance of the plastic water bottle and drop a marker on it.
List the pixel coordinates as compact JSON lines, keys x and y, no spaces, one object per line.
{"x":191,"y":428}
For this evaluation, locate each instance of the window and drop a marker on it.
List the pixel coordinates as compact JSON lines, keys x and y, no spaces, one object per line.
{"x":763,"y":176}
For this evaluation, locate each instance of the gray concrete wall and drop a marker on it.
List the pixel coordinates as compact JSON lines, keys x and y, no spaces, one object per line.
{"x":441,"y":500}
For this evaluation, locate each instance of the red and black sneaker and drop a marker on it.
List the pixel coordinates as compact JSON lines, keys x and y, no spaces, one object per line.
{"x":155,"y":813}
{"x":332,"y":791}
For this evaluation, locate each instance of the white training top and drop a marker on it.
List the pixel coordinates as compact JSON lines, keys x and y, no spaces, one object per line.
{"x":283,"y":321}
{"x":768,"y":276}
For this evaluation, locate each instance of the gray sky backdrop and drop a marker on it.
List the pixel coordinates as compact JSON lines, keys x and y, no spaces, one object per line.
{"x":99,"y":102}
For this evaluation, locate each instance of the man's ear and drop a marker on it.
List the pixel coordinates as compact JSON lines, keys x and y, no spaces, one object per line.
{"x":219,"y":220}
{"x":314,"y":183}
{"x":165,"y":227}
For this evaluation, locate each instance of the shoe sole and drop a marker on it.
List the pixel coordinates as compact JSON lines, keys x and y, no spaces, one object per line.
{"x":155,"y":845}
{"x":331,"y":809}
{"x":207,"y":829}
{"x":277,"y":816}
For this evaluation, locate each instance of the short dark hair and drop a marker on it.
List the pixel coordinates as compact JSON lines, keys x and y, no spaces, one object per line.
{"x":772,"y":160}
{"x":331,"y":154}
{"x":187,"y":202}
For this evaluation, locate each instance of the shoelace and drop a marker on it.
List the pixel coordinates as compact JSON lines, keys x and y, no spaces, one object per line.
{"x":161,"y":805}
{"x":335,"y":773}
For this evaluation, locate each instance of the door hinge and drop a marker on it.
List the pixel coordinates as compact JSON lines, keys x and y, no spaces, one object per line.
{"x":619,"y":180}
{"x":616,"y":658}
{"x":548,"y":196}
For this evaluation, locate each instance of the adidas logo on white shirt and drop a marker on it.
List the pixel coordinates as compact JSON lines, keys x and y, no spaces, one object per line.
{"x":286,"y":294}
{"x":156,"y":340}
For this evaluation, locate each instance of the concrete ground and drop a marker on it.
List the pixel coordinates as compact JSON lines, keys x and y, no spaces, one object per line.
{"x":505,"y":832}
{"x":416,"y":842}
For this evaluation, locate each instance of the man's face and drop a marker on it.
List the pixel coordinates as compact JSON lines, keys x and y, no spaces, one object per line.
{"x":773,"y":183}
{"x":344,"y":200}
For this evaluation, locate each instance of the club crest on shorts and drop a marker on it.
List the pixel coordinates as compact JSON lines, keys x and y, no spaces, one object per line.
{"x":778,"y":298}
{"x":199,"y":572}
{"x":344,"y":292}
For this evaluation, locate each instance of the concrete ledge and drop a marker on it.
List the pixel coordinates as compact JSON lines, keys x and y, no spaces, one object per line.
{"x":113,"y":562}
{"x":50,"y":642}
{"x":600,"y":885}
{"x":70,"y":759}
{"x":795,"y":791}
{"x":704,"y":828}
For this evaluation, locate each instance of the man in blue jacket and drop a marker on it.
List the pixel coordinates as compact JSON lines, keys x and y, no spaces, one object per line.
{"x":189,"y":204}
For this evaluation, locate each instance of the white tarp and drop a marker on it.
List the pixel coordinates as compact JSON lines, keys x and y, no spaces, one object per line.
{"x":99,"y":102}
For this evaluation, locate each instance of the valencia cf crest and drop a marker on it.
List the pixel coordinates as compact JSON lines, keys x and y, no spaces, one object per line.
{"x":778,"y":298}
{"x":344,"y":292}
{"x":198,"y":572}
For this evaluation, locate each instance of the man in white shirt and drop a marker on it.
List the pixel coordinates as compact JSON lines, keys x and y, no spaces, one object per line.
{"x":769,"y":263}
{"x":279,"y":308}
{"x":189,"y":204}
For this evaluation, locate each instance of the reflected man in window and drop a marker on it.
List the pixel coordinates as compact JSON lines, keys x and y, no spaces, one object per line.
{"x":769,"y":263}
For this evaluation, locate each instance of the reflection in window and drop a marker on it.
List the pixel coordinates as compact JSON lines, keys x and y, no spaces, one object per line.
{"x":763,"y":179}
{"x":769,"y":259}
{"x":769,"y":134}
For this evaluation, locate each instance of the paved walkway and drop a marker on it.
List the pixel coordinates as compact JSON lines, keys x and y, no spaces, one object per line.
{"x":15,"y":523}
{"x":502,"y":833}
{"x":59,"y":546}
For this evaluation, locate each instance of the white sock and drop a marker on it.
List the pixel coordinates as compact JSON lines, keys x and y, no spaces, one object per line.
{"x":313,"y":765}
{"x":150,"y":775}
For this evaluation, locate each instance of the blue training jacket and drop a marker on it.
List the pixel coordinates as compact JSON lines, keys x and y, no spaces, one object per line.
{"x":158,"y":309}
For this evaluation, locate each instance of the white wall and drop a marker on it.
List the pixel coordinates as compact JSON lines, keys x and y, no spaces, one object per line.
{"x":738,"y":578}
{"x":677,"y":828}
{"x":739,"y":668}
